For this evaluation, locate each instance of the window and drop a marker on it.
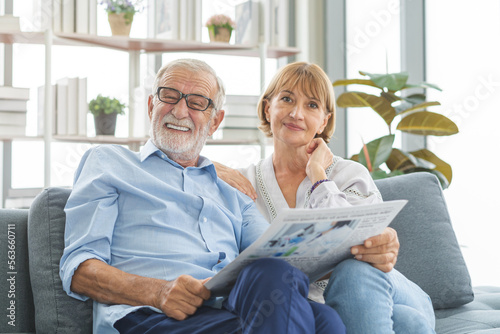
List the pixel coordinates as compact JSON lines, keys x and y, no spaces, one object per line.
{"x":462,"y":58}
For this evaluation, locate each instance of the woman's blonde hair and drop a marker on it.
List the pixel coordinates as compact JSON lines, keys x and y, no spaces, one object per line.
{"x":310,"y":79}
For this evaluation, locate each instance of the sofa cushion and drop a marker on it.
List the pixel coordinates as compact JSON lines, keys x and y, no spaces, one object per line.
{"x":480,"y":316}
{"x":429,"y":253}
{"x":55,"y":311}
{"x":16,"y":300}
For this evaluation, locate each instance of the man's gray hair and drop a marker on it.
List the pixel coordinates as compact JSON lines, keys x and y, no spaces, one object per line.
{"x":194,"y":66}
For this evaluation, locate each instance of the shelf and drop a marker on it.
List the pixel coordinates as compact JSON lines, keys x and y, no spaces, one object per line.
{"x":124,"y":43}
{"x":132,"y":141}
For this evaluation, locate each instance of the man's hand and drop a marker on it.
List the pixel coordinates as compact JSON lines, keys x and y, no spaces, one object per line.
{"x":381,"y":251}
{"x":235,"y":179}
{"x":181,"y":297}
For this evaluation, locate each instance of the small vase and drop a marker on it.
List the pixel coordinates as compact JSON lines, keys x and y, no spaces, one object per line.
{"x":119,"y":25}
{"x":219,"y":35}
{"x":105,"y":124}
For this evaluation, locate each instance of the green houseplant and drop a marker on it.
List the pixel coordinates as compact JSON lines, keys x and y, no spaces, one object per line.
{"x":414,"y":118}
{"x":220,"y":28}
{"x":105,"y":109}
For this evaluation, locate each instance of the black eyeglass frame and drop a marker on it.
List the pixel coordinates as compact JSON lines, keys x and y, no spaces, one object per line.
{"x":185,"y":96}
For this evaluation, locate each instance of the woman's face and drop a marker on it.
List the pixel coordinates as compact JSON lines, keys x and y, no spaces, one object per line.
{"x":294,"y":117}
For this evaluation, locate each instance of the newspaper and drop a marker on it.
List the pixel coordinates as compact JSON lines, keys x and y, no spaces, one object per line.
{"x":312,"y":240}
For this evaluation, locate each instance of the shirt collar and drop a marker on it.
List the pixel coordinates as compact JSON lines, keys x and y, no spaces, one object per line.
{"x":203,"y":162}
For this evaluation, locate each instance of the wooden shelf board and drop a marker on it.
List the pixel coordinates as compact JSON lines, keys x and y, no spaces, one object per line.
{"x":124,"y":43}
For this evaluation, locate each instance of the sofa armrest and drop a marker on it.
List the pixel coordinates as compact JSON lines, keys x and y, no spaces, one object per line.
{"x":56,"y":312}
{"x":16,"y":299}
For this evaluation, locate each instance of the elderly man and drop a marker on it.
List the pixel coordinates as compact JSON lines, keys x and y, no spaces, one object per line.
{"x":146,"y":230}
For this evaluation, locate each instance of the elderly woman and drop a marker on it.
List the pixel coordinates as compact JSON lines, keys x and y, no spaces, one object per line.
{"x":298,"y":111}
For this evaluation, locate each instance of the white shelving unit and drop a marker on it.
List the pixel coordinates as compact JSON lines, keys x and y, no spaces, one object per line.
{"x":134,"y":47}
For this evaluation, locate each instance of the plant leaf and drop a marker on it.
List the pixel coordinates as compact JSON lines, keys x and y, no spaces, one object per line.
{"x":422,"y":85}
{"x":399,"y":160}
{"x":440,"y":166}
{"x":415,"y":98}
{"x":427,"y":123}
{"x":420,"y":106}
{"x":391,"y":97}
{"x":378,"y":151}
{"x":345,"y":82}
{"x":360,"y":99}
{"x":392,"y":81}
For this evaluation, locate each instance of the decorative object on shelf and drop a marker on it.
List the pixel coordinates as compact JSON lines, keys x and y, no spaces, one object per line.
{"x":220,"y":28}
{"x":121,"y":15}
{"x":105,"y":109}
{"x":414,"y":119}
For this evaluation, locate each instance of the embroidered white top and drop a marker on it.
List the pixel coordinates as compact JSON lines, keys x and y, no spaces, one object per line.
{"x":352,"y":185}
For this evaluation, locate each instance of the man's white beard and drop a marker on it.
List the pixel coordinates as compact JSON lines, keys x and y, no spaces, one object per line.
{"x":178,"y":146}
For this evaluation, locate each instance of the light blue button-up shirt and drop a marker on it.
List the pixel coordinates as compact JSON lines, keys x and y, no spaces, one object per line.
{"x":147,"y":215}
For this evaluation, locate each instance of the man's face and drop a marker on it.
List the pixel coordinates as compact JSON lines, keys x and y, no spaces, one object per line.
{"x":177,"y":129}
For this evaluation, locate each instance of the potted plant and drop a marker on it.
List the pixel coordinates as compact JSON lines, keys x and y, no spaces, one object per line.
{"x":220,"y":28}
{"x":414,"y":118}
{"x":105,"y":109}
{"x":121,"y":14}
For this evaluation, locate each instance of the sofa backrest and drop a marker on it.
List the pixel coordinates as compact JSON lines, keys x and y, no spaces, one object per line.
{"x":16,"y":299}
{"x":429,"y":254}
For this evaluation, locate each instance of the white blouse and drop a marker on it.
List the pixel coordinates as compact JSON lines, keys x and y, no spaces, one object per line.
{"x":352,"y":185}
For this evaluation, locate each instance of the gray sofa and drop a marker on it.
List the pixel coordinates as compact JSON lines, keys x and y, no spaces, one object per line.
{"x":31,"y":243}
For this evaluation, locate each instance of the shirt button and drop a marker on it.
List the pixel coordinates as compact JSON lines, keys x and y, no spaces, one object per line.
{"x":204,"y":219}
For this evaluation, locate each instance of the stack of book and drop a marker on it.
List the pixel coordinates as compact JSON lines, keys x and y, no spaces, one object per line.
{"x":69,"y":107}
{"x":240,"y":121}
{"x":13,"y":109}
{"x":9,"y":23}
{"x":65,"y":16}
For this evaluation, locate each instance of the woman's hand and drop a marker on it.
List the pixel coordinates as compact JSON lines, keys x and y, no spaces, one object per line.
{"x":381,"y":251}
{"x":235,"y":179}
{"x":320,"y":157}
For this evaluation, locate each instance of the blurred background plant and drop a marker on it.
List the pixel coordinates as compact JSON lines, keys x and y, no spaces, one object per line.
{"x":414,"y":118}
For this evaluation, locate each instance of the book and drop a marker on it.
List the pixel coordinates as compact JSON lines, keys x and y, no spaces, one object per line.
{"x":82,"y":107}
{"x":312,"y":240}
{"x":12,"y":130}
{"x":72,"y":106}
{"x":68,"y":15}
{"x":9,"y":23}
{"x":12,"y":118}
{"x":13,"y":105}
{"x":15,"y":93}
{"x":57,"y":15}
{"x":247,"y":23}
{"x":92,"y":17}
{"x":82,"y":16}
{"x":62,"y":107}
{"x":41,"y":110}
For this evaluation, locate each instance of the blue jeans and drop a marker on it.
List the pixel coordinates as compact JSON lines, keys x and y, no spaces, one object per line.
{"x":269,"y":297}
{"x":371,"y":301}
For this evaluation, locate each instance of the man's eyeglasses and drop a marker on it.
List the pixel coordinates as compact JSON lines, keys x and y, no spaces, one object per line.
{"x":193,"y":101}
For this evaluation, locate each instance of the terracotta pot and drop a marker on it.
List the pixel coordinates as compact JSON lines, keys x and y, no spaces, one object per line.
{"x":220,"y":35}
{"x":105,"y":124}
{"x":118,"y":24}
